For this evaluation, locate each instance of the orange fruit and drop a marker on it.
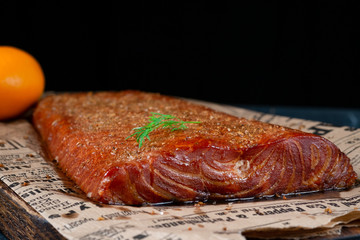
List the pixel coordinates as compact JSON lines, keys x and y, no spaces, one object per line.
{"x":22,"y":81}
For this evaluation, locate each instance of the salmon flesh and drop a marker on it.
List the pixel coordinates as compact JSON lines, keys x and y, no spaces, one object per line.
{"x":222,"y":157}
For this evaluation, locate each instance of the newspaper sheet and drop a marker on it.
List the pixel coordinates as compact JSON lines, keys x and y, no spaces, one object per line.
{"x":27,"y":170}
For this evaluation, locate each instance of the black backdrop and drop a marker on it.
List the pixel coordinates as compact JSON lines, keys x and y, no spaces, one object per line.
{"x":244,"y":52}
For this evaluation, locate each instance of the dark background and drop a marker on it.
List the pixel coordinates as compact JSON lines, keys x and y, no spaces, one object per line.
{"x":303,"y":53}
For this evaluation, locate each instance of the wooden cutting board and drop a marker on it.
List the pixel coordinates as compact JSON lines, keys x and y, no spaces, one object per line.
{"x":18,"y":220}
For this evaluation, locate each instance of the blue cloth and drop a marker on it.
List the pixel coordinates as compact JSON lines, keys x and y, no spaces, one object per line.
{"x":335,"y":116}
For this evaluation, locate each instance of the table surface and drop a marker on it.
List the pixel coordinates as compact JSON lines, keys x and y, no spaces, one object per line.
{"x":335,"y":116}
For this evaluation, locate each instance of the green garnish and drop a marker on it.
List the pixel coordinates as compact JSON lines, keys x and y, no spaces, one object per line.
{"x":157,"y":120}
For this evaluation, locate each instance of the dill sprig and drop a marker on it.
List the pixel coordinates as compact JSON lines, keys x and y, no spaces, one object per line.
{"x":157,"y":120}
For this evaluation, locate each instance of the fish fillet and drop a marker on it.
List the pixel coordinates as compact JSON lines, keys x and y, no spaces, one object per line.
{"x":223,"y":157}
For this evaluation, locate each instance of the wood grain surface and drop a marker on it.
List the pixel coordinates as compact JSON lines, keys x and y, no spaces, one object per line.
{"x":18,"y":220}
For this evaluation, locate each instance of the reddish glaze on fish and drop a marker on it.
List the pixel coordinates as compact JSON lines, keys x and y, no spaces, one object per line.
{"x":223,"y":157}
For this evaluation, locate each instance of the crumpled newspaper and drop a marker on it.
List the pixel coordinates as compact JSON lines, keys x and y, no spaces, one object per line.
{"x":28,"y":171}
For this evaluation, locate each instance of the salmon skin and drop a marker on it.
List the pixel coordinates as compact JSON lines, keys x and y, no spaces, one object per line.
{"x":223,"y":157}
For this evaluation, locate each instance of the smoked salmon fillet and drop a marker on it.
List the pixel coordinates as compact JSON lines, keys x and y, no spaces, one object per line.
{"x":222,"y":157}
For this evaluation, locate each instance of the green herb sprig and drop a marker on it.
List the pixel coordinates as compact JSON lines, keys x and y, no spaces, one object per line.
{"x":157,"y":120}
